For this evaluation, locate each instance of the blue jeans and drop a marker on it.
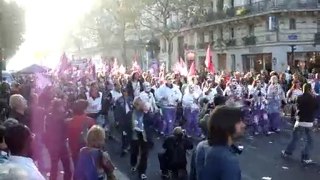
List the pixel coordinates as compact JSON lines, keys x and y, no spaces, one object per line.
{"x":296,"y":135}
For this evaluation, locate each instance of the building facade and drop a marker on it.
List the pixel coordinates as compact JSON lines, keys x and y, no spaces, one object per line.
{"x":247,"y":35}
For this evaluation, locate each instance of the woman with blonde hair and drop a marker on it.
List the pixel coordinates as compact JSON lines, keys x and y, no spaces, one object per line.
{"x":93,"y":162}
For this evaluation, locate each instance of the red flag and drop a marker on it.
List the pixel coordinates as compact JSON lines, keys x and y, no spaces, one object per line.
{"x":208,"y":62}
{"x":192,"y":70}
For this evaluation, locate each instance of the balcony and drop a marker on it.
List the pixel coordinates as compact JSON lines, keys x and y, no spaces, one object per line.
{"x":231,"y":42}
{"x":249,"y":40}
{"x":317,"y":38}
{"x":263,"y":6}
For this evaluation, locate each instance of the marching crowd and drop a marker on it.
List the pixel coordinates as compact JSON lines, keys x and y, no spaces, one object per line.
{"x":73,"y":119}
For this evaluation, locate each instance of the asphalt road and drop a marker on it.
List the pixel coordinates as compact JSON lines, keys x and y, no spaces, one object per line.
{"x":260,"y":159}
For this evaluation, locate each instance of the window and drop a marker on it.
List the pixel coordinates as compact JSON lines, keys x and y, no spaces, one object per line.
{"x":211,"y":4}
{"x":272,"y":23}
{"x":318,"y":24}
{"x":233,"y":62}
{"x":292,"y":24}
{"x":251,"y":30}
{"x":232,"y":33}
{"x":221,"y":33}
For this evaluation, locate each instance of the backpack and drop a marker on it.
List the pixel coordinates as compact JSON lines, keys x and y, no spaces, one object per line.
{"x":86,"y":167}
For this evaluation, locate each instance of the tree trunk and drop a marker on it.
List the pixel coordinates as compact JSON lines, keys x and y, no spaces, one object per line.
{"x":169,"y":51}
{"x":124,"y":45}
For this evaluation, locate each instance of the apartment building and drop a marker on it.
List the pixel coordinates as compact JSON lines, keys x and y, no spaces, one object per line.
{"x":253,"y":35}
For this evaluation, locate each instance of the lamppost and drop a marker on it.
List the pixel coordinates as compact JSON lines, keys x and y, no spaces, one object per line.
{"x":293,"y":48}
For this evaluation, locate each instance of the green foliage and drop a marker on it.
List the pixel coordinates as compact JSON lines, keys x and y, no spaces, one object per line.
{"x":12,"y":27}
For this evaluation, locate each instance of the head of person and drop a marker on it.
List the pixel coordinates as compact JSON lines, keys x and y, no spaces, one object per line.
{"x":147,"y":87}
{"x":96,"y":137}
{"x":169,"y":80}
{"x":18,"y":103}
{"x":274,"y":80}
{"x":135,"y":76}
{"x":225,"y":125}
{"x":58,"y":105}
{"x":79,"y":107}
{"x":3,"y":145}
{"x":34,"y":99}
{"x":178,"y":132}
{"x":138,"y":104}
{"x":94,"y":89}
{"x":124,"y":92}
{"x":190,"y":89}
{"x":295,"y":85}
{"x":19,"y":138}
{"x":307,"y":88}
{"x":117,"y":86}
{"x":219,"y":100}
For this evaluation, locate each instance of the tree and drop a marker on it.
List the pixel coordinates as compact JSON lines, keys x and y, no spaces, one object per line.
{"x":157,"y":16}
{"x":12,"y":27}
{"x":107,"y":24}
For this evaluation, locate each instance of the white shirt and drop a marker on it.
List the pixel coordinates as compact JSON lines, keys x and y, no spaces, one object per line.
{"x":169,"y":96}
{"x":28,"y":166}
{"x":94,"y":104}
{"x":149,"y":99}
{"x":136,"y":88}
{"x":115,"y":95}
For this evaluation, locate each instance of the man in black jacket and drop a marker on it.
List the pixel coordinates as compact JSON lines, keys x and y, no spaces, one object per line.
{"x":174,"y":158}
{"x":307,"y":106}
{"x":122,"y":114}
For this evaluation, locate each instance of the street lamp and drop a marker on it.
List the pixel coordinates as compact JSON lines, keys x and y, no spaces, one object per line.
{"x":1,"y":63}
{"x":293,"y":48}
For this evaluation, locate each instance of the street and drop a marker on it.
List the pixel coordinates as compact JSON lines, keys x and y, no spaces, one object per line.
{"x":260,"y":159}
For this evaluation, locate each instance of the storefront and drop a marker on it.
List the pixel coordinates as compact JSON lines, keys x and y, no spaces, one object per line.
{"x":257,"y":62}
{"x":304,"y":60}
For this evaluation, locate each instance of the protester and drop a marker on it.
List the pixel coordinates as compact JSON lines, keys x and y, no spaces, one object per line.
{"x":56,"y":139}
{"x":174,"y":159}
{"x":19,"y":139}
{"x":306,"y":106}
{"x":123,"y":114}
{"x":93,"y":162}
{"x":94,"y":98}
{"x":18,"y":106}
{"x":214,"y":157}
{"x":77,"y":128}
{"x":139,"y":144}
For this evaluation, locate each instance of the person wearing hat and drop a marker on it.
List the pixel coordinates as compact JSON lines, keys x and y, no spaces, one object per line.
{"x":169,"y":95}
{"x":174,"y":158}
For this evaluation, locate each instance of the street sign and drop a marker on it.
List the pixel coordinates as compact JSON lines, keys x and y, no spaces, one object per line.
{"x":293,"y":37}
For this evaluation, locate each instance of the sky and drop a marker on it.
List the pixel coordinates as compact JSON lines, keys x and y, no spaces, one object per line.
{"x":47,"y":24}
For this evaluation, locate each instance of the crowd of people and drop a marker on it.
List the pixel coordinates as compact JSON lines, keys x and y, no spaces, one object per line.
{"x":73,"y":119}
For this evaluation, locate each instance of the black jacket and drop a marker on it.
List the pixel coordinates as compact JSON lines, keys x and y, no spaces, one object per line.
{"x":307,"y":106}
{"x":176,"y":149}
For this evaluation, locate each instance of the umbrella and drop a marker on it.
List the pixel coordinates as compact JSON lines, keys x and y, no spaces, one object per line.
{"x":33,"y":69}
